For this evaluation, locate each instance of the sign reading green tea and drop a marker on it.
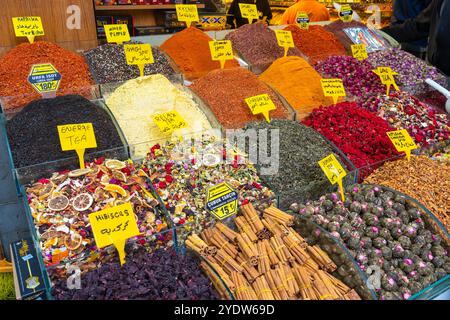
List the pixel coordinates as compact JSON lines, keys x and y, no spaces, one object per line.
{"x":386,"y":75}
{"x":187,"y":13}
{"x":346,"y":13}
{"x":334,"y":172}
{"x":29,"y":27}
{"x":78,"y":137}
{"x":169,"y":121}
{"x":359,"y":51}
{"x":117,"y":33}
{"x":44,"y":78}
{"x":333,"y":88}
{"x":221,"y":51}
{"x":249,"y":11}
{"x":284,"y":39}
{"x":261,"y":104}
{"x":222,"y":201}
{"x":114,"y":226}
{"x":402,"y":141}
{"x":302,"y":20}
{"x":139,"y":55}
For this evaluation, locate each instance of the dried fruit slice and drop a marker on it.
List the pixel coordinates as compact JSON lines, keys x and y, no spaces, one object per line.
{"x":58,"y":203}
{"x":117,"y":189}
{"x":79,"y":172}
{"x":211,"y":160}
{"x":73,"y":241}
{"x":119,"y":175}
{"x":82,"y":202}
{"x":115,"y":164}
{"x":46,"y":190}
{"x":105,"y":179}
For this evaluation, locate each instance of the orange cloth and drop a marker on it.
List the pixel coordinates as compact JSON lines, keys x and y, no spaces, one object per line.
{"x":315,"y":10}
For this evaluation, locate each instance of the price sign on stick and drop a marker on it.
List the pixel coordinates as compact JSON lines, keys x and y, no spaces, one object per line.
{"x":139,"y":55}
{"x":302,"y":20}
{"x":117,"y":33}
{"x":222,"y":201}
{"x":78,"y":137}
{"x":45,"y":79}
{"x":402,"y":141}
{"x":386,"y":75}
{"x":346,"y":13}
{"x":169,"y":121}
{"x":114,"y":226}
{"x":249,"y":11}
{"x":187,"y":13}
{"x":359,"y":51}
{"x":261,"y":104}
{"x":284,"y":39}
{"x":334,"y":172}
{"x":29,"y":27}
{"x":333,"y":88}
{"x":221,"y":51}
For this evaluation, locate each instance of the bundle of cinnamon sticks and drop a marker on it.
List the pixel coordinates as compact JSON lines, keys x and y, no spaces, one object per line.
{"x":265,"y":259}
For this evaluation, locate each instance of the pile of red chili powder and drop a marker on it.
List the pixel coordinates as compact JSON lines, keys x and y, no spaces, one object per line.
{"x":357,"y":132}
{"x":316,"y":43}
{"x":16,"y":65}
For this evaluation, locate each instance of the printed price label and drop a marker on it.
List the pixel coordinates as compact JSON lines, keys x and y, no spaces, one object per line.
{"x":302,"y":20}
{"x":77,"y":137}
{"x":117,"y":33}
{"x":114,"y":226}
{"x":221,"y":51}
{"x":346,"y":13}
{"x":284,"y":39}
{"x":359,"y":51}
{"x":402,"y":141}
{"x":44,"y":78}
{"x":29,"y":27}
{"x":139,"y":55}
{"x":169,"y":121}
{"x":249,"y":11}
{"x":222,"y":201}
{"x":187,"y":13}
{"x":261,"y":104}
{"x":386,"y":75}
{"x":333,"y":88}
{"x":334,"y":172}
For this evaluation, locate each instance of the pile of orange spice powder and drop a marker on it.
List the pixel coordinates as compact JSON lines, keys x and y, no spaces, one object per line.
{"x":190,"y":51}
{"x":16,"y":64}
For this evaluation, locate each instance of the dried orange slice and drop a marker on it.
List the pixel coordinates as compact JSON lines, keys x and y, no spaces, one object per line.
{"x":82,"y":202}
{"x":117,"y":189}
{"x":105,"y":179}
{"x":46,"y":190}
{"x":119,"y":175}
{"x":73,"y":241}
{"x":58,"y":203}
{"x":79,"y":172}
{"x":115,"y":164}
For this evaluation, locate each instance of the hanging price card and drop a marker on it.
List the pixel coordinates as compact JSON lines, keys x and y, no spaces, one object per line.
{"x":402,"y":141}
{"x":386,"y":75}
{"x":359,"y":51}
{"x":114,"y":226}
{"x":222,"y":201}
{"x":249,"y":11}
{"x":29,"y":27}
{"x":221,"y":51}
{"x":333,"y":88}
{"x":261,"y":104}
{"x":302,"y":20}
{"x":284,"y":39}
{"x":117,"y":33}
{"x":187,"y":13}
{"x":334,"y":172}
{"x":346,"y":13}
{"x":44,"y":78}
{"x":169,"y":121}
{"x":77,"y":137}
{"x":139,"y":55}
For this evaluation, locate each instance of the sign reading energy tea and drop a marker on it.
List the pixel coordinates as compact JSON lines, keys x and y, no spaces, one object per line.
{"x":117,"y":33}
{"x":402,"y":141}
{"x":169,"y":121}
{"x":78,"y":137}
{"x":386,"y":75}
{"x":334,"y":172}
{"x":284,"y":39}
{"x":221,"y":51}
{"x":29,"y":27}
{"x":139,"y":55}
{"x":44,"y":78}
{"x":187,"y":13}
{"x":333,"y":88}
{"x":261,"y":104}
{"x":249,"y":11}
{"x":114,"y":226}
{"x":222,"y":201}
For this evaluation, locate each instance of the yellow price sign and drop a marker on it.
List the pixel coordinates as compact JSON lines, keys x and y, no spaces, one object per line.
{"x":346,"y":13}
{"x":139,"y":55}
{"x":114,"y":226}
{"x":221,"y":51}
{"x":117,"y":33}
{"x":386,"y":75}
{"x":187,"y":13}
{"x":261,"y":104}
{"x":78,"y":137}
{"x":402,"y":141}
{"x":302,"y":20}
{"x":221,"y":201}
{"x":169,"y":121}
{"x":249,"y":11}
{"x":284,"y":39}
{"x":29,"y":27}
{"x":334,"y":172}
{"x":333,"y":88}
{"x":359,"y":51}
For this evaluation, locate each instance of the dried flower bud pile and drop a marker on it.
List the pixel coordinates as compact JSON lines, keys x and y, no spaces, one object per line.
{"x":384,"y":229}
{"x":61,"y":204}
